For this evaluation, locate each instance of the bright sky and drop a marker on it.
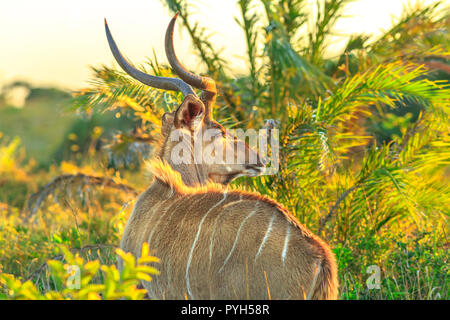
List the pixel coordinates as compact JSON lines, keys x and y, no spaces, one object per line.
{"x":51,"y":42}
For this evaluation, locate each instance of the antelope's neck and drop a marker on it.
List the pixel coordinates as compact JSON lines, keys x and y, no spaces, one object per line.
{"x":191,"y":174}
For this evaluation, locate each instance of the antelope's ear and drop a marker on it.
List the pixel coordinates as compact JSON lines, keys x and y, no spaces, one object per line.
{"x":190,"y":113}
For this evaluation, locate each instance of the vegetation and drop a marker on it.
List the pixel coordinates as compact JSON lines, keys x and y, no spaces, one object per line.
{"x":364,"y":154}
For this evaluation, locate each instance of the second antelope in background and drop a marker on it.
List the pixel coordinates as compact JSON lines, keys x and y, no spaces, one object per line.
{"x":214,"y":242}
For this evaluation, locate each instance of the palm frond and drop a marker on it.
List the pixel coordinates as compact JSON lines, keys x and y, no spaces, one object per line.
{"x":328,"y":13}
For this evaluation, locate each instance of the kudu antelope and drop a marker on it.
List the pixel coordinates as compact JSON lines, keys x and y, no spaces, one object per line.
{"x":215,"y":242}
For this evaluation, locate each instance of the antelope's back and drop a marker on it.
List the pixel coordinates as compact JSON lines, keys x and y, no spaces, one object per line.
{"x":225,"y":245}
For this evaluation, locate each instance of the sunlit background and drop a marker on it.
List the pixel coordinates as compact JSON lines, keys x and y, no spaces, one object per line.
{"x":53,"y":43}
